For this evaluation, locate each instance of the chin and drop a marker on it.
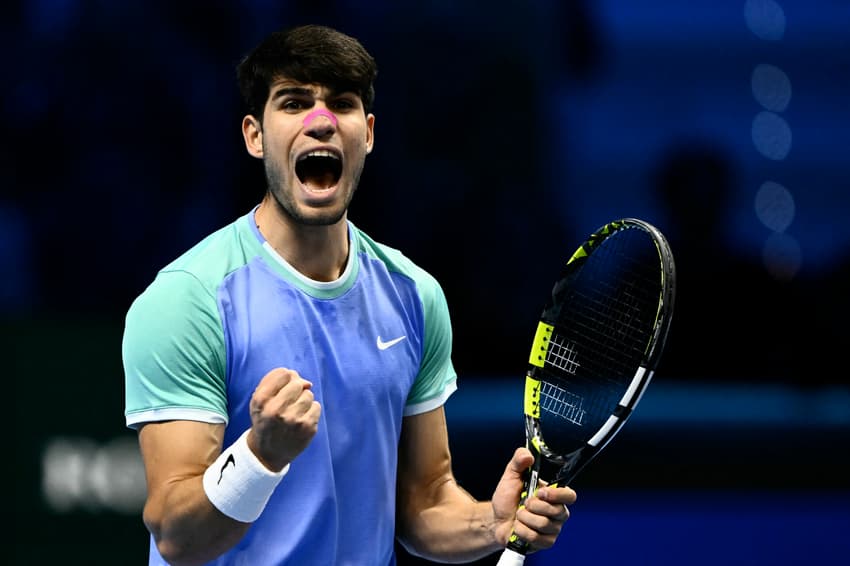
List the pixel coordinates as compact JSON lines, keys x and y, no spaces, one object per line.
{"x":320,"y":217}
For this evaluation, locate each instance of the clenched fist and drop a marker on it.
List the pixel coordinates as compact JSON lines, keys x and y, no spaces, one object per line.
{"x":284,"y":417}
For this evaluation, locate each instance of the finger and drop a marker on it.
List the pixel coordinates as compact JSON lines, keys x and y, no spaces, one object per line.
{"x":277,"y":379}
{"x":558,"y":512}
{"x":270,"y":384}
{"x":290,"y":404}
{"x":557,"y":495}
{"x":539,"y":532}
{"x":279,"y":389}
{"x":544,"y":516}
{"x":298,"y":403}
{"x":311,"y":417}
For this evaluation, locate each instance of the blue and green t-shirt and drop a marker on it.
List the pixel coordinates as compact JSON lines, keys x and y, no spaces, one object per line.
{"x":376,"y":344}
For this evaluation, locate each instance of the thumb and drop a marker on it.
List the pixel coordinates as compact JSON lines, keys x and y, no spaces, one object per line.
{"x":507,"y":495}
{"x":520,"y":462}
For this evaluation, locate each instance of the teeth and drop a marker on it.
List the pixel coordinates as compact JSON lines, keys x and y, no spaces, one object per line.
{"x":319,"y":153}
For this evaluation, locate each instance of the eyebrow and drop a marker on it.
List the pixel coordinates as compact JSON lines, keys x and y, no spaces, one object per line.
{"x":292,"y":90}
{"x":307,"y":91}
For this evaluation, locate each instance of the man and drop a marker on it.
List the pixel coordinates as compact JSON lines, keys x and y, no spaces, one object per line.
{"x":287,"y":374}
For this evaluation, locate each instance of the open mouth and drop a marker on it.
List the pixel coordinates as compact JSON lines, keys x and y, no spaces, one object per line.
{"x":319,"y":170}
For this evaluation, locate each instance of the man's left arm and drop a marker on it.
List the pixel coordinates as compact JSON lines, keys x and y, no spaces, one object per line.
{"x":439,"y":520}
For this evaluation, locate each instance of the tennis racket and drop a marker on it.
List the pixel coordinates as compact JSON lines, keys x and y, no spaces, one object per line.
{"x":597,"y":344}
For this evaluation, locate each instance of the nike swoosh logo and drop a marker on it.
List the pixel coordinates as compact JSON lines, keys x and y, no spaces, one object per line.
{"x":230,"y":460}
{"x":384,"y":345}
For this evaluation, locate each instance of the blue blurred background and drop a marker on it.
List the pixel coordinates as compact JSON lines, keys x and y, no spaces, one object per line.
{"x":505,"y":133}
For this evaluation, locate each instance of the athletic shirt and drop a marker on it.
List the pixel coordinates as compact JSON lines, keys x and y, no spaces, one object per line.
{"x":376,"y":344}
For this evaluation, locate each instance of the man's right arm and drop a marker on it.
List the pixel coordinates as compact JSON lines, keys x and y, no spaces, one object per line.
{"x":186,"y":527}
{"x":188,"y":509}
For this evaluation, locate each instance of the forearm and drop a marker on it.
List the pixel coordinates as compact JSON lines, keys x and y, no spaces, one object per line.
{"x":186,"y":527}
{"x":452,"y":527}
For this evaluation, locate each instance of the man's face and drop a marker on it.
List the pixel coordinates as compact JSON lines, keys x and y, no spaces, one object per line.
{"x":314,"y":145}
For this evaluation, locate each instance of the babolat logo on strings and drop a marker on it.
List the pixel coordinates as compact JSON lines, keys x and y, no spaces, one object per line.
{"x":553,"y":349}
{"x":560,"y":402}
{"x":562,"y":355}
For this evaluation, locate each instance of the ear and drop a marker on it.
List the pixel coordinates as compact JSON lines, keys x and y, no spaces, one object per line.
{"x":252,"y":131}
{"x":370,"y":132}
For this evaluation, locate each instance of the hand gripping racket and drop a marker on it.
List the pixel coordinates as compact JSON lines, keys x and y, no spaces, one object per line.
{"x":597,"y":343}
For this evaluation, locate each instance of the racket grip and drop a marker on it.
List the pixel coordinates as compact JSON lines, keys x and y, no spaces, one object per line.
{"x":511,"y":558}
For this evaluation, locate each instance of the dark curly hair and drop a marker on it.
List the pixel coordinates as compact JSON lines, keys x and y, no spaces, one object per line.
{"x":309,"y":54}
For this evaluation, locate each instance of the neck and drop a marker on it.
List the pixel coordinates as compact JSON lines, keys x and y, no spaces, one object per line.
{"x":317,"y":252}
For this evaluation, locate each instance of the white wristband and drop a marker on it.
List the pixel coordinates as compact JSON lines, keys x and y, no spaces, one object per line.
{"x":238,"y":484}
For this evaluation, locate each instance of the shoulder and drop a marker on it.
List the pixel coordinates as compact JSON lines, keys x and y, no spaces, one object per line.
{"x":218,"y":254}
{"x":396,"y":262}
{"x":190,"y":282}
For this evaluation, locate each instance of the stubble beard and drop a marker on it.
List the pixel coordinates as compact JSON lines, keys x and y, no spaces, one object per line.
{"x":285,"y":202}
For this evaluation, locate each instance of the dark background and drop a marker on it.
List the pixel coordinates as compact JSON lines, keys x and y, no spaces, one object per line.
{"x":505,"y":133}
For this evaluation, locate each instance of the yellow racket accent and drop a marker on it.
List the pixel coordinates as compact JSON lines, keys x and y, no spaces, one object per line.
{"x":540,"y":344}
{"x":583,"y":250}
{"x":532,"y":399}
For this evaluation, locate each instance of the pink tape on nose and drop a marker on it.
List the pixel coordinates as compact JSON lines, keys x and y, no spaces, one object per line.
{"x":320,"y":112}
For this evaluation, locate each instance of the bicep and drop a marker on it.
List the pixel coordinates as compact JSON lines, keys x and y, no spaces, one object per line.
{"x":430,"y":502}
{"x":174,"y":452}
{"x":424,"y":446}
{"x":425,"y":477}
{"x":174,"y":449}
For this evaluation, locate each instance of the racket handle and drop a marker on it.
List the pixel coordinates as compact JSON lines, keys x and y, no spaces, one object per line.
{"x":511,"y":558}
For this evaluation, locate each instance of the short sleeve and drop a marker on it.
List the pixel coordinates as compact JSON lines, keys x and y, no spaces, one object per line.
{"x":437,"y":378}
{"x":173,"y":353}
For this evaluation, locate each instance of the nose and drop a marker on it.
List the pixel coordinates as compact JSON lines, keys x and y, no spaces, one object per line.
{"x":320,"y":123}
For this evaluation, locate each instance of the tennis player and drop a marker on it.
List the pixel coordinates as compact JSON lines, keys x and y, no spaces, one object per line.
{"x":287,"y":374}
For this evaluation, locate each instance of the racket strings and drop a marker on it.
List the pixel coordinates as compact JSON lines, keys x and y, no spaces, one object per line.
{"x":561,"y":403}
{"x":562,"y":354}
{"x":610,"y":318}
{"x":606,"y":309}
{"x":575,"y":403}
{"x":616,"y":320}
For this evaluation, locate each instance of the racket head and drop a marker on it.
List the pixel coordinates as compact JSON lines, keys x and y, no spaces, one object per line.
{"x":598,"y":342}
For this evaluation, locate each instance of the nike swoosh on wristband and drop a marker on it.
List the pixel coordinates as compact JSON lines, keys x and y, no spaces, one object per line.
{"x":384,"y":345}
{"x":230,"y":460}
